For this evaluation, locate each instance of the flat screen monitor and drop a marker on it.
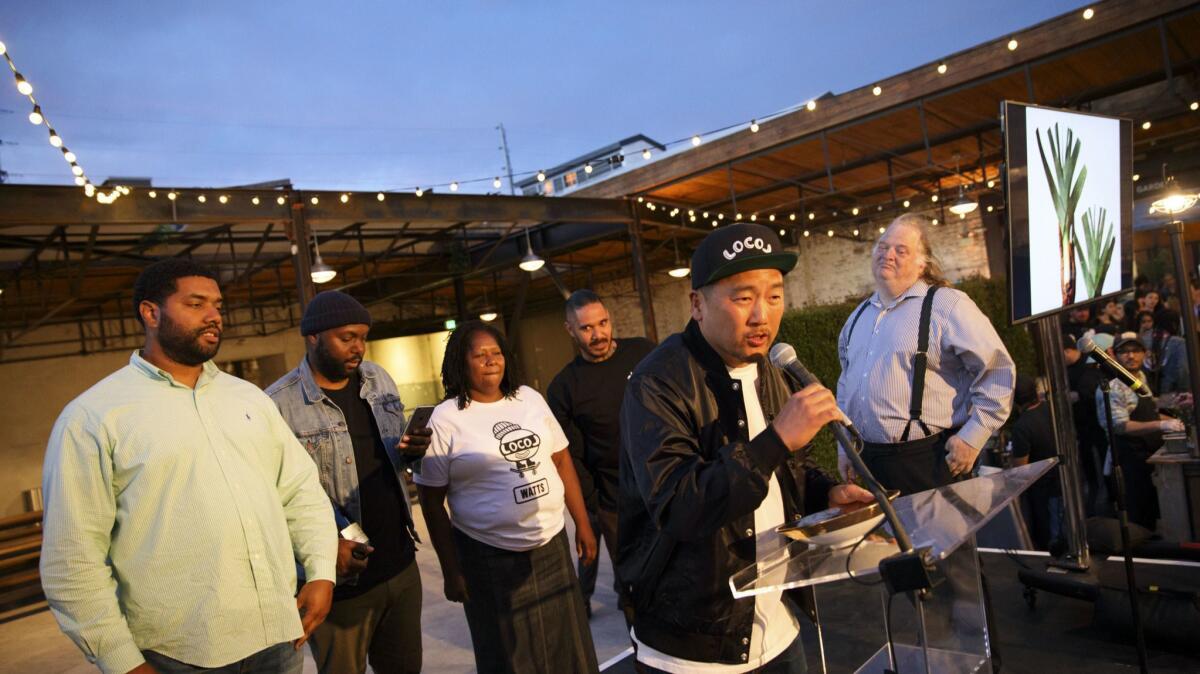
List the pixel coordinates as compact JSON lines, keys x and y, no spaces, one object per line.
{"x":1069,"y":191}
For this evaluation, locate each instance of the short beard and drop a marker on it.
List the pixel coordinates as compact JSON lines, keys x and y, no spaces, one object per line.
{"x":182,"y":346}
{"x":329,"y":366}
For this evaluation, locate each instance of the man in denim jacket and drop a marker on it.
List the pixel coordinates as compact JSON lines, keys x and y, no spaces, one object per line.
{"x":347,"y":414}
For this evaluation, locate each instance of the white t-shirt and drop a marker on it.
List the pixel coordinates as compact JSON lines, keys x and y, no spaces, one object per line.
{"x":503,"y":488}
{"x":775,"y":626}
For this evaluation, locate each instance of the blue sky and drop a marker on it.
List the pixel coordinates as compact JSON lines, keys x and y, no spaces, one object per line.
{"x":388,"y":95}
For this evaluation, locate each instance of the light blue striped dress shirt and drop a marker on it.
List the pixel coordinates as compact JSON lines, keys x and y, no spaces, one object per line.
{"x":968,"y":383}
{"x":174,"y":518}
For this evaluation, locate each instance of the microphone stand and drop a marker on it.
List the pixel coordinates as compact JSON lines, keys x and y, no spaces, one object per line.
{"x":1123,"y":518}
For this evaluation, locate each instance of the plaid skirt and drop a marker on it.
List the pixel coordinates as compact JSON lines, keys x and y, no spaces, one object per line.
{"x":525,"y":609}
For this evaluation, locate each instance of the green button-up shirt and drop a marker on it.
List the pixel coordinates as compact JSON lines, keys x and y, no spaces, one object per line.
{"x":174,"y":517}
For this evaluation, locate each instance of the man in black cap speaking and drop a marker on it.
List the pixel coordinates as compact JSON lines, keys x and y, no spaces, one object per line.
{"x":348,"y":415}
{"x":713,"y":458}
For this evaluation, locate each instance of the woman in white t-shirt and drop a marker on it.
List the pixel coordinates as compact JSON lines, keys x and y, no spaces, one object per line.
{"x":500,"y":459}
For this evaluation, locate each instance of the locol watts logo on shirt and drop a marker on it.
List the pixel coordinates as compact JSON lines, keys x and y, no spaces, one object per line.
{"x":518,"y":446}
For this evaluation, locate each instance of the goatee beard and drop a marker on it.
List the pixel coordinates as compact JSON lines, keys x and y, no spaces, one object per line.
{"x":324,"y":362}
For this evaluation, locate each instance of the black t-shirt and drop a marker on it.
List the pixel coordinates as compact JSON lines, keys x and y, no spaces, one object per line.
{"x":385,"y":519}
{"x":1033,"y":436}
{"x":586,"y":399}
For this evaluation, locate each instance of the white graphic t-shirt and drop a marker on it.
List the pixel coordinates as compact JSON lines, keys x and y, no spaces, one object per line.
{"x":494,"y":459}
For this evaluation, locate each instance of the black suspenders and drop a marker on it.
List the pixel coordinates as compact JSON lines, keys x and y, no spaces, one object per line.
{"x":920,"y":360}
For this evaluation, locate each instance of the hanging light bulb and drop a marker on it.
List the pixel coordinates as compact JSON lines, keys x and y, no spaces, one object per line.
{"x":380,"y":197}
{"x":935,"y":221}
{"x":856,"y":232}
{"x":1088,"y":14}
{"x":541,"y":176}
{"x":531,"y":262}
{"x":754,"y":126}
{"x":454,"y":186}
{"x":254,"y":200}
{"x":877,"y":90}
{"x":942,"y":68}
{"x":811,"y":105}
{"x":907,"y":203}
{"x":419,"y":191}
{"x":55,"y":139}
{"x":488,"y":316}
{"x":3,"y":51}
{"x":1146,"y":125}
{"x":771,"y":217}
{"x":68,"y":155}
{"x":80,"y":180}
{"x":280,"y":200}
{"x":829,"y":233}
{"x":807,"y":233}
{"x":35,"y":117}
{"x":345,"y":198}
{"x":314,"y":201}
{"x":23,"y":85}
{"x":152,"y":194}
{"x":496,"y":181}
{"x":680,"y":269}
{"x":587,"y":168}
{"x":89,"y":189}
{"x":75,"y":168}
{"x":320,"y":272}
{"x":812,"y":216}
{"x":1171,"y":200}
{"x":171,"y":196}
{"x":882,"y":230}
{"x":203,"y":198}
{"x":1012,"y":44}
{"x":792,"y":217}
{"x":695,"y":141}
{"x":962,"y":205}
{"x":854,"y":211}
{"x":646,"y":153}
{"x":934,"y":198}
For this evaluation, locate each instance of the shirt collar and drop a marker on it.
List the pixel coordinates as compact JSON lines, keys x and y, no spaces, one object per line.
{"x":208,"y":371}
{"x":313,"y":391}
{"x":919,"y":288}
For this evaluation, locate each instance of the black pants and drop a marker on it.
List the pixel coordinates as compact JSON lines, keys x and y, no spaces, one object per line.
{"x":911,"y":466}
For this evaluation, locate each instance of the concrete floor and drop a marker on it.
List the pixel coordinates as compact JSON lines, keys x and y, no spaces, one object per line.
{"x":33,"y":642}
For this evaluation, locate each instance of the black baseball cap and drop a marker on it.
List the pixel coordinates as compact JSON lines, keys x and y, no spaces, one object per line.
{"x":736,"y":248}
{"x":1128,"y":339}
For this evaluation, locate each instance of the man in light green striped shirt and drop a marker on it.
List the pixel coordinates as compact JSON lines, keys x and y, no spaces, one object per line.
{"x":178,"y":502}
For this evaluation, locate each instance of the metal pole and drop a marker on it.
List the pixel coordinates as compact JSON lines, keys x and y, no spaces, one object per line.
{"x":301,"y":257}
{"x":1049,"y":340}
{"x":641,"y":279}
{"x":1183,"y":286}
{"x":512,"y":190}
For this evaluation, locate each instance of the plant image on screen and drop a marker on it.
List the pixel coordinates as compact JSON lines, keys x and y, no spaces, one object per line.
{"x":1095,"y":256}
{"x":1065,"y":190}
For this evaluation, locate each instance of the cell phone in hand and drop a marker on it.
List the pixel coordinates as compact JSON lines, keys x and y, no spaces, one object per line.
{"x":419,"y":419}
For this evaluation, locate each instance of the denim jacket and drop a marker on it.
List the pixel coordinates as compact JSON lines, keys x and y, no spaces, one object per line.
{"x":321,"y":428}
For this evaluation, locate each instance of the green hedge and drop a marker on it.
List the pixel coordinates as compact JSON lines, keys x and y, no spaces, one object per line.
{"x":813,"y":331}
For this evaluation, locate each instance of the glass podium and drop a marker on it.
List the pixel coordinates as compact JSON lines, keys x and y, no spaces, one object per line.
{"x":946,"y":630}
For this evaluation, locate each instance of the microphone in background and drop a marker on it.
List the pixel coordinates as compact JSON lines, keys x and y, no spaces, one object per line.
{"x":1101,"y":358}
{"x":783,"y":356}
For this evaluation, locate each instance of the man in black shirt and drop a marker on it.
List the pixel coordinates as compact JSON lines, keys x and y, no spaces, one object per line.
{"x":348,"y":414}
{"x":586,"y":399}
{"x":1032,"y":440}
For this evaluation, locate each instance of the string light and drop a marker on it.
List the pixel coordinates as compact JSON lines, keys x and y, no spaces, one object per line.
{"x":23,"y":85}
{"x":35,"y":117}
{"x":152,"y":194}
{"x":223,"y":199}
{"x":807,"y":233}
{"x":172,"y":196}
{"x":854,"y":211}
{"x":496,"y":180}
{"x":587,"y":168}
{"x":830,"y":233}
{"x":55,"y":139}
{"x":942,"y":68}
{"x":254,"y":200}
{"x":378,"y":197}
{"x":314,"y":201}
{"x":80,"y":180}
{"x":203,"y":198}
{"x":882,"y":230}
{"x":771,"y":217}
{"x":541,"y":176}
{"x":906,"y":203}
{"x":753,"y":217}
{"x":754,"y":126}
{"x":68,"y":155}
{"x":1088,"y":14}
{"x":419,"y":192}
{"x":695,"y":141}
{"x":877,"y":90}
{"x":934,"y":198}
{"x":935,"y":221}
{"x":811,"y":105}
{"x":280,"y":200}
{"x":89,"y":190}
{"x":646,"y":153}
{"x":76,"y":169}
{"x":345,"y":198}
{"x":782,"y":232}
{"x":454,"y":187}
{"x":1012,"y":44}
{"x":991,"y":184}
{"x":812,"y":216}
{"x":792,"y":217}
{"x":1194,"y":106}
{"x":1146,"y":125}
{"x":1137,"y":177}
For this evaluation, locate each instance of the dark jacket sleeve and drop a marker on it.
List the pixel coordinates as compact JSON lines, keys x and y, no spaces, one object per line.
{"x":686,"y":494}
{"x":558,"y":396}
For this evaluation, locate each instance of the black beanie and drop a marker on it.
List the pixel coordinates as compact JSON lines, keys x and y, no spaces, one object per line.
{"x":332,"y":309}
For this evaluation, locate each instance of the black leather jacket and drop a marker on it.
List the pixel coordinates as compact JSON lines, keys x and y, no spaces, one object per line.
{"x":690,"y":481}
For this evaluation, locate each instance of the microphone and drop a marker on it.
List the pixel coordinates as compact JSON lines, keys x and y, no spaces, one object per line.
{"x":1101,"y":358}
{"x":783,"y":356}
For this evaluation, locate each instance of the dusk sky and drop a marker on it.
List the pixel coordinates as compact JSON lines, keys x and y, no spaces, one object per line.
{"x":389,"y":95}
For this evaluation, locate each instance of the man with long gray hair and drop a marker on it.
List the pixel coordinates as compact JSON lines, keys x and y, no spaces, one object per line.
{"x":925,"y":377}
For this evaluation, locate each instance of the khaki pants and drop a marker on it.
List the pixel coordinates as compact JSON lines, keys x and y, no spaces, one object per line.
{"x":383,"y":624}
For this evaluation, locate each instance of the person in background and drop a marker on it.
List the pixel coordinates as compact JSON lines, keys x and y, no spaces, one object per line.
{"x":585,"y":397}
{"x":1110,"y":317}
{"x":500,"y":458}
{"x":1141,"y":285}
{"x":1032,"y":440}
{"x":178,"y":503}
{"x":923,"y":419}
{"x":1078,"y":320}
{"x":1083,"y":378}
{"x":1137,"y":431}
{"x":1169,"y":354}
{"x":349,"y":416}
{"x":1168,"y":290}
